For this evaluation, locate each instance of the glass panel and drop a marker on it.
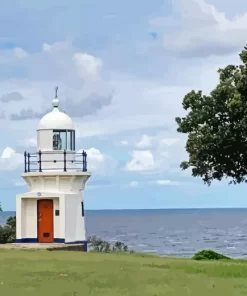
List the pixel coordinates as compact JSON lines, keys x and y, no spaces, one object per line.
{"x":63,"y":140}
{"x":73,"y":140}
{"x":59,"y":140}
{"x":56,"y":140}
{"x":69,"y":140}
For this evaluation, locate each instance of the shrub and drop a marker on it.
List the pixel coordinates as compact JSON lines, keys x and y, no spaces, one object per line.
{"x":98,"y":245}
{"x":209,"y":255}
{"x":11,"y":221}
{"x":8,"y":231}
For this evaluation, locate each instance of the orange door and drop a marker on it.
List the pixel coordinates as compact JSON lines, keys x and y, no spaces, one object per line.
{"x":45,"y":221}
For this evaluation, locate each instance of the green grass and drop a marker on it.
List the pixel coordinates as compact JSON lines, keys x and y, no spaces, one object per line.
{"x":39,"y":272}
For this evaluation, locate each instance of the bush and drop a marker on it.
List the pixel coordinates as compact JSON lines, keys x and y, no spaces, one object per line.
{"x":8,"y":231}
{"x":98,"y":245}
{"x":11,"y":221}
{"x":209,"y":255}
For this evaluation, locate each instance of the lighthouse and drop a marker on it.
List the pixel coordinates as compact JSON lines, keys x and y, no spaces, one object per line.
{"x":52,"y":210}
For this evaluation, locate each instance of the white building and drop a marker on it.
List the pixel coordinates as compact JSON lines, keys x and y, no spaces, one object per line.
{"x":52,"y":211}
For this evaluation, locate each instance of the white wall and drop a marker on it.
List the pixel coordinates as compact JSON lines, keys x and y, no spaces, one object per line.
{"x":50,"y":156}
{"x":26,"y":216}
{"x":19,"y":212}
{"x":59,"y":224}
{"x":56,"y":219}
{"x":69,"y":225}
{"x":62,"y":217}
{"x":60,"y":182}
{"x":44,"y":140}
{"x":74,"y":222}
{"x":29,"y":218}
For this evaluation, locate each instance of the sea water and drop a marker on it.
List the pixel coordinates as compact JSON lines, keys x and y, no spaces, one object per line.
{"x":178,"y":233}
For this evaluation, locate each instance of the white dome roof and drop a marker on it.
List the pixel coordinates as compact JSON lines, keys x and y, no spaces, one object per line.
{"x":55,"y":120}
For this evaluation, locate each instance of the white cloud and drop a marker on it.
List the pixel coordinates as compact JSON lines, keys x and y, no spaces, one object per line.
{"x":141,"y":160}
{"x":165,"y":154}
{"x":82,"y":90}
{"x":7,"y":153}
{"x":199,"y":29}
{"x":88,"y":67}
{"x":139,"y":103}
{"x":139,"y":94}
{"x":145,"y":142}
{"x":10,"y":159}
{"x":169,"y":141}
{"x":124,"y":143}
{"x":96,"y":160}
{"x":115,"y":123}
{"x":20,"y":53}
{"x":46,"y":47}
{"x":20,"y":183}
{"x":133,"y":184}
{"x":166,"y":183}
{"x":143,"y":99}
{"x":29,"y":142}
{"x":99,"y":163}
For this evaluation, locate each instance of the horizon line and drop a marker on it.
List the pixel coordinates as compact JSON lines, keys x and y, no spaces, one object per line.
{"x":155,"y":209}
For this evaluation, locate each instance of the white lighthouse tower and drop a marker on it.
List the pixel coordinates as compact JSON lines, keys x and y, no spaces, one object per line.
{"x":52,"y":211}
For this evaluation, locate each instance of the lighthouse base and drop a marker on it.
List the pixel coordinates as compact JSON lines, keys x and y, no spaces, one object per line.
{"x":49,"y":247}
{"x":50,"y":218}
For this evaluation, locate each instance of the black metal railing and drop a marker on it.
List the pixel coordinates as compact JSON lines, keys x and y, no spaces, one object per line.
{"x":44,"y":160}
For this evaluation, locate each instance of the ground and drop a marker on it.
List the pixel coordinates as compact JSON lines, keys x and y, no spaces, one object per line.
{"x":42,"y":272}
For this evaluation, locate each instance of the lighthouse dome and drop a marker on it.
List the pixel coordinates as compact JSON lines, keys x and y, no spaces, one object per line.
{"x":56,"y":120}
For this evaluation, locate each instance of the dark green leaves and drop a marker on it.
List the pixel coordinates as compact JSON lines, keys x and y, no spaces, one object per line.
{"x":216,"y":126}
{"x":209,"y":255}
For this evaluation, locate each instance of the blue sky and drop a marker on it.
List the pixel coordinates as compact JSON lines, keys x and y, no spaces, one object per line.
{"x":122,"y":69}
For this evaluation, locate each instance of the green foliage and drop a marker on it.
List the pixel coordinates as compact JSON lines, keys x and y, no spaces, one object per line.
{"x":8,"y":231}
{"x":98,"y":245}
{"x":11,"y":222}
{"x":1,"y":209}
{"x":209,"y":255}
{"x":216,"y":125}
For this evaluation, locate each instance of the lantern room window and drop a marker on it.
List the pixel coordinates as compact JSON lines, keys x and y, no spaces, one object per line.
{"x":64,"y":140}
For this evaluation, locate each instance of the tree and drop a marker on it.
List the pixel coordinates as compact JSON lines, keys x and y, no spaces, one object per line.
{"x":216,"y":125}
{"x":1,"y":209}
{"x":8,"y":231}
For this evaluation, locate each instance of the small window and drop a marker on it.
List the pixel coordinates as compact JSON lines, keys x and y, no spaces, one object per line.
{"x":71,"y":140}
{"x":57,"y":142}
{"x":82,"y":209}
{"x":63,"y":140}
{"x":63,"y":136}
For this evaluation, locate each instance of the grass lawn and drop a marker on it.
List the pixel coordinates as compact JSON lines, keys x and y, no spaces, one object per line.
{"x":40,"y":272}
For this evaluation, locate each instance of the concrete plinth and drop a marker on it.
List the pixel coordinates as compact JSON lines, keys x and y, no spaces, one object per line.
{"x":49,"y":247}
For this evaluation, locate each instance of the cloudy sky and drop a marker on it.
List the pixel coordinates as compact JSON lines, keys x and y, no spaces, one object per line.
{"x":123,"y":68}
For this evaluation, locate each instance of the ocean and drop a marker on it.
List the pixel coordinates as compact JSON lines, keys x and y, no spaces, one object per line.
{"x":172,"y":232}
